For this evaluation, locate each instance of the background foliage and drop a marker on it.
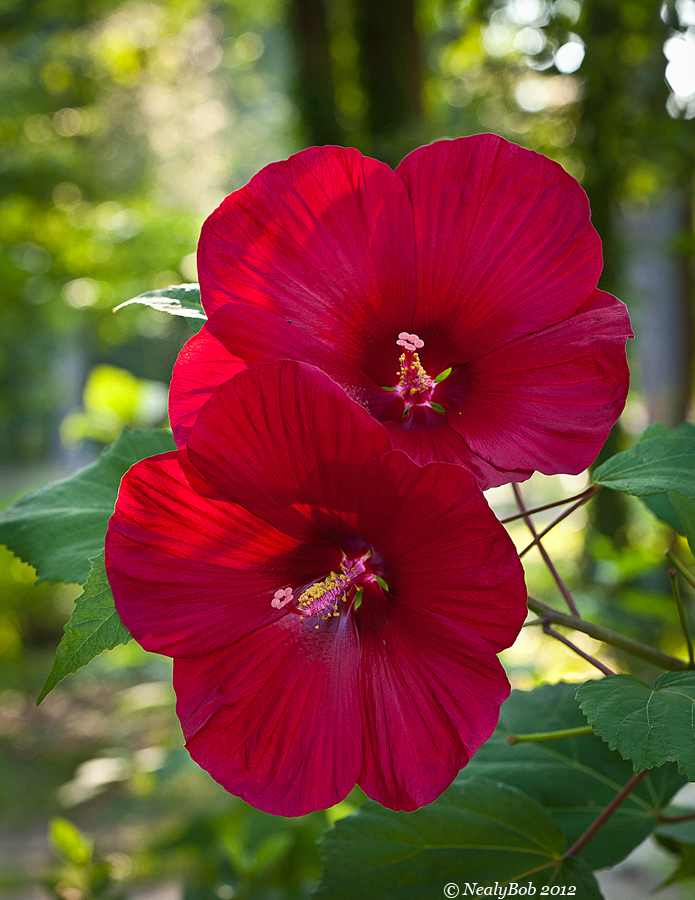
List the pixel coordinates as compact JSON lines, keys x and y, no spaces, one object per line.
{"x":122,"y":126}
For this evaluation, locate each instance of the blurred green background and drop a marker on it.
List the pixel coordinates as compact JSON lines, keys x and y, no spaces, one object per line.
{"x":122,"y":126}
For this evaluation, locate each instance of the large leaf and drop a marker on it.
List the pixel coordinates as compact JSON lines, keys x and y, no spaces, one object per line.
{"x":675,"y":509}
{"x":479,"y":831}
{"x":177,"y":300}
{"x":93,"y":627}
{"x":61,"y":526}
{"x":650,"y":726}
{"x":664,"y":463}
{"x":575,"y":778}
{"x":679,"y":837}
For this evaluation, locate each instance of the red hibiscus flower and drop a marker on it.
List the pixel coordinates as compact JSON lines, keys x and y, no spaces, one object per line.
{"x":454,"y":298}
{"x":333,"y":609}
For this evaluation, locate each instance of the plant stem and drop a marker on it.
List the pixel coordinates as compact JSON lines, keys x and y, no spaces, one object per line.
{"x":669,"y":820}
{"x":572,"y":646}
{"x":673,"y":575}
{"x":546,"y":559}
{"x":627,"y":645}
{"x":682,"y":568}
{"x":549,"y":735}
{"x":579,"y":845}
{"x":531,"y":512}
{"x":567,"y":512}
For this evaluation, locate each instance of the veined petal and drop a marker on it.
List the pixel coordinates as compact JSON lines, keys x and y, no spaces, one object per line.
{"x":547,"y":401}
{"x":443,"y":547}
{"x":203,"y":364}
{"x":326,"y":234}
{"x":275,"y":719}
{"x":191,"y":575}
{"x":288,"y":444}
{"x":504,"y":243}
{"x":431,"y":691}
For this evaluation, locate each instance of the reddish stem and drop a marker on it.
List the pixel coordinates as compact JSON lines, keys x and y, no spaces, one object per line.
{"x":546,"y":559}
{"x":668,"y":820}
{"x":531,"y":512}
{"x":568,"y":512}
{"x":568,"y":643}
{"x":579,"y":845}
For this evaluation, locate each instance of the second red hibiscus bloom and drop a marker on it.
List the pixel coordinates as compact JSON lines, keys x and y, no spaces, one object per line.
{"x":454,"y":298}
{"x":333,"y":609}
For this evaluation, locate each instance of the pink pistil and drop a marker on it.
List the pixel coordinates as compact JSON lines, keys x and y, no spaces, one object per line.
{"x":321,"y":597}
{"x":411,"y":342}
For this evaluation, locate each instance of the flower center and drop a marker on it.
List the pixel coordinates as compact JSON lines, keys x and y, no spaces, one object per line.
{"x":321,"y":598}
{"x":414,"y":384}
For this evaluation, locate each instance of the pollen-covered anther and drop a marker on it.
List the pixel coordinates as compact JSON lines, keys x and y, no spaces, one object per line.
{"x":410,"y":341}
{"x":282,"y":598}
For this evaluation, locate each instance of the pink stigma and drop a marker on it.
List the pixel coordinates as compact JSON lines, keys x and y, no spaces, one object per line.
{"x":282,"y":598}
{"x":410,"y":341}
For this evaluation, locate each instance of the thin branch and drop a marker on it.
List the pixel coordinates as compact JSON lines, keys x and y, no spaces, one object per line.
{"x":568,"y":643}
{"x":546,"y":559}
{"x":673,"y":575}
{"x":627,"y":645}
{"x":581,"y":843}
{"x":669,"y":820}
{"x":550,"y":735}
{"x":682,"y":568}
{"x":594,"y":489}
{"x":560,"y":518}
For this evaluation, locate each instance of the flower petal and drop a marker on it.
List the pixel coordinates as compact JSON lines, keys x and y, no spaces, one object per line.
{"x":547,"y":401}
{"x":288,"y":444}
{"x":504,"y":242}
{"x":202,"y":365}
{"x":275,"y":719}
{"x":443,"y":547}
{"x":430,"y":690}
{"x":326,"y":234}
{"x":191,"y":575}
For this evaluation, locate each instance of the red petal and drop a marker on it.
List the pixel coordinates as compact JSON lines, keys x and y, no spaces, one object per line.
{"x":288,"y":444}
{"x":431,"y":691}
{"x":442,"y":546}
{"x":202,"y":365}
{"x":191,"y":575}
{"x":547,"y":401}
{"x":504,"y":243}
{"x":275,"y":718}
{"x":261,"y":335}
{"x":326,"y":234}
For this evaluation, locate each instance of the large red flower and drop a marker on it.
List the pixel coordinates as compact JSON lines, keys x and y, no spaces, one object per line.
{"x":454,"y":298}
{"x":333,"y":609}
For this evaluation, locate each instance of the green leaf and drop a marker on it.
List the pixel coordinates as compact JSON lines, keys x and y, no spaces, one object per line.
{"x":478,"y":831}
{"x":679,"y":837}
{"x":177,"y":300}
{"x":61,"y":526}
{"x":658,"y":464}
{"x":661,"y":505}
{"x":93,"y":627}
{"x":574,"y":779}
{"x":650,"y":726}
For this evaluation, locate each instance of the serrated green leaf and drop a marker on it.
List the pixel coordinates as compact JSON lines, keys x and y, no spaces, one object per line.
{"x":574,"y":779}
{"x":61,"y":526}
{"x":478,"y":831}
{"x":661,"y":505}
{"x":177,"y":300}
{"x":661,"y":463}
{"x":650,"y":726}
{"x":93,"y":627}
